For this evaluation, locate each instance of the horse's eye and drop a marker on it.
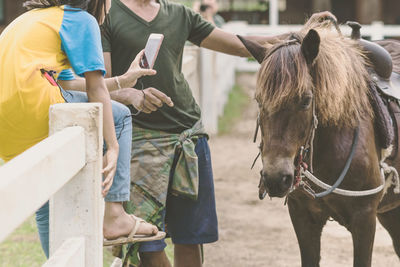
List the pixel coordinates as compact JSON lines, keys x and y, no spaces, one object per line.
{"x":306,"y":102}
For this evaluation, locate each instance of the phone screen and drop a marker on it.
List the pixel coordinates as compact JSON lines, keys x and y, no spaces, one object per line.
{"x":151,"y":50}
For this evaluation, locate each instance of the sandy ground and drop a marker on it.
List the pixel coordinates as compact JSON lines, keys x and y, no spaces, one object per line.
{"x":260,"y":233}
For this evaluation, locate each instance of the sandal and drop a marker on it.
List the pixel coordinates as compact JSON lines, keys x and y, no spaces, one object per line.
{"x":132,"y":238}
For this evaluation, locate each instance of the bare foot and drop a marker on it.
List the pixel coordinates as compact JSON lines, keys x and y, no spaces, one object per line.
{"x":144,"y":227}
{"x":117,"y":223}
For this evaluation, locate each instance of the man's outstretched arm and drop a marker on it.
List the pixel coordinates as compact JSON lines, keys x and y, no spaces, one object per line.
{"x":229,"y":43}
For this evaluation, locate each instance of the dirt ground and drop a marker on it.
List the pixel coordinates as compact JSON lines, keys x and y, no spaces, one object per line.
{"x":260,"y":233}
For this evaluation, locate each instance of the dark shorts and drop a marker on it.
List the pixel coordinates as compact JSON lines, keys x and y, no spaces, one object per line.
{"x":188,"y":221}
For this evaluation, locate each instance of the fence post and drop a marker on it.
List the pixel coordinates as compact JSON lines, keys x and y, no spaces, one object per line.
{"x":273,"y":13}
{"x":77,"y":209}
{"x":208,"y":91}
{"x":377,"y":30}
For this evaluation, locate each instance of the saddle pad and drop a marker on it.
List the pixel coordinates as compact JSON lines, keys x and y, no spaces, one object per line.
{"x":390,"y":199}
{"x":383,"y":124}
{"x":394,"y":110}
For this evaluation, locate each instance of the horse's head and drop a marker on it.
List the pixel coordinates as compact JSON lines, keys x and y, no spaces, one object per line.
{"x":295,"y":85}
{"x":285,"y":106}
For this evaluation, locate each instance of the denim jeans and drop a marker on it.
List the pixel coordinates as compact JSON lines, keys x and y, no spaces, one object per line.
{"x":119,"y":190}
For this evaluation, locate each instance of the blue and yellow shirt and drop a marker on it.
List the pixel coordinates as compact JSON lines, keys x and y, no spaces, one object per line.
{"x":53,"y":38}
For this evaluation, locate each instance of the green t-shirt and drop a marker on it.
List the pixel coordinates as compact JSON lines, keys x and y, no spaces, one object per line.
{"x":125,"y":35}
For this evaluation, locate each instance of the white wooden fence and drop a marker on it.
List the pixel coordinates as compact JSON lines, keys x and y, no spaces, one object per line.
{"x":211,"y":76}
{"x":65,"y":168}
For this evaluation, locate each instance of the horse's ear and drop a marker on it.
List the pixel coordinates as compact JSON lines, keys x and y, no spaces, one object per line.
{"x":256,"y":50}
{"x":310,"y":46}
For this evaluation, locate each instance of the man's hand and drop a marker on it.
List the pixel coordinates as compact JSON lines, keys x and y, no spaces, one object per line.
{"x":154,"y":99}
{"x":130,"y":77}
{"x":147,"y":100}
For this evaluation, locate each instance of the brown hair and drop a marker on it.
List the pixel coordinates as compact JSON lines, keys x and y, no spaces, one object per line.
{"x":340,"y":84}
{"x":96,"y":8}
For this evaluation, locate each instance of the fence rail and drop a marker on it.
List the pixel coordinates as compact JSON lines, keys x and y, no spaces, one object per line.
{"x":65,"y":168}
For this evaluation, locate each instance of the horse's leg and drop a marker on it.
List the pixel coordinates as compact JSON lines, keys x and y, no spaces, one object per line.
{"x":308,"y":224}
{"x":390,"y":220}
{"x":362,"y":228}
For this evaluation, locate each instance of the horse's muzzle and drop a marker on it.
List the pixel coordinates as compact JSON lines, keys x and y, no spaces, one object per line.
{"x":276,"y":186}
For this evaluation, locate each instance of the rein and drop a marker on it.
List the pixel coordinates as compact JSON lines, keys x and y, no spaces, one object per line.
{"x":301,"y":171}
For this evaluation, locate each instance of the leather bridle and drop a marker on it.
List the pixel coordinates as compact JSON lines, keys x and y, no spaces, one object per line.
{"x":304,"y":151}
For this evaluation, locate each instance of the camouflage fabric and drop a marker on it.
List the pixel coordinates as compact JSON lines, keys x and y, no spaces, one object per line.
{"x":157,"y":156}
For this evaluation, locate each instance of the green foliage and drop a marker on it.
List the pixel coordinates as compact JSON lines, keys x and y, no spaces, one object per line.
{"x":248,"y":6}
{"x":237,"y":102}
{"x":238,"y":5}
{"x":188,"y":3}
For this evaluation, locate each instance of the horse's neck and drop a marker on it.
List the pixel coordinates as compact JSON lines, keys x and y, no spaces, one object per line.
{"x":331,"y":144}
{"x":332,"y":148}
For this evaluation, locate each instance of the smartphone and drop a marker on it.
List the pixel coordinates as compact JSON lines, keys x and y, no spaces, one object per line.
{"x":151,"y":50}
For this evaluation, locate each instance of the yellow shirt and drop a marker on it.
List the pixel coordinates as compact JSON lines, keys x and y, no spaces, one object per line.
{"x":31,"y":42}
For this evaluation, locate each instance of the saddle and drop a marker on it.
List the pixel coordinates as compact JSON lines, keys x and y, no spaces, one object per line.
{"x":384,"y":85}
{"x":385,"y":100}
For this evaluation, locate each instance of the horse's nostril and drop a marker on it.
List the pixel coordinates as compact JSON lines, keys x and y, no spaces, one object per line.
{"x":287,"y":181}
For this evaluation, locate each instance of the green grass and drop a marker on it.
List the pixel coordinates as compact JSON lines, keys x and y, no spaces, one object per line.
{"x":169,"y":250}
{"x":237,"y":102}
{"x":22,"y":248}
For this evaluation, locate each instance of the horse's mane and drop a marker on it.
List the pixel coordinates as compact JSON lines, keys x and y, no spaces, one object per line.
{"x":340,"y":82}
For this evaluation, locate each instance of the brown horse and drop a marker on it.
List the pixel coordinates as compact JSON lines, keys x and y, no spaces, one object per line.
{"x":317,"y":73}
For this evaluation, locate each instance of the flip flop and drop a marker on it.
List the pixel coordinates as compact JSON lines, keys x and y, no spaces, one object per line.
{"x":132,"y":238}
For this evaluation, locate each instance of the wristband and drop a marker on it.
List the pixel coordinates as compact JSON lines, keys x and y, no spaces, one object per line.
{"x":138,"y":111}
{"x":117,"y":81}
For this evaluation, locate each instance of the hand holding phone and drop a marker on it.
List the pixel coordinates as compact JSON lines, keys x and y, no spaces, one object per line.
{"x":151,"y":50}
{"x":134,"y":72}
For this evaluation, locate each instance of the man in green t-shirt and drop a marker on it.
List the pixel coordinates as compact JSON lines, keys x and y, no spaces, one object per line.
{"x":125,"y":32}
